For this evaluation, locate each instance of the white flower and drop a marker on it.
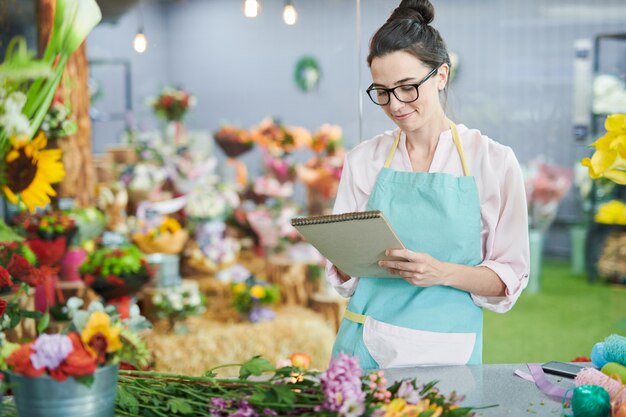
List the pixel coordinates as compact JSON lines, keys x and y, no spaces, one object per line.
{"x":84,"y":16}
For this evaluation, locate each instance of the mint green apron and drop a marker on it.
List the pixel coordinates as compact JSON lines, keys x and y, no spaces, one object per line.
{"x":390,"y":323}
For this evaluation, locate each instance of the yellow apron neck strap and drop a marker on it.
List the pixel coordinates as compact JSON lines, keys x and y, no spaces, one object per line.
{"x":455,"y":137}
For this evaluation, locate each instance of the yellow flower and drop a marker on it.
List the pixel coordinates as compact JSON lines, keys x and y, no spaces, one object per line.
{"x":609,"y":159}
{"x":239,"y":288}
{"x":258,"y":292}
{"x":99,"y":336}
{"x":613,"y":212}
{"x":30,"y":171}
{"x":170,"y":225}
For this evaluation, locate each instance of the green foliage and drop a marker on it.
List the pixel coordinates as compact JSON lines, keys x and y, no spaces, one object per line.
{"x":123,"y":261}
{"x":255,"y":366}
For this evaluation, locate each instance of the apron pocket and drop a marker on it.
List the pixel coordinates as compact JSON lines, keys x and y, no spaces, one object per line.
{"x":396,"y":347}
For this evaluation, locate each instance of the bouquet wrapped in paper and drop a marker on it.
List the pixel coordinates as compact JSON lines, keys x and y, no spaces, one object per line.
{"x":546,"y":185}
{"x":233,"y":141}
{"x":167,"y":237}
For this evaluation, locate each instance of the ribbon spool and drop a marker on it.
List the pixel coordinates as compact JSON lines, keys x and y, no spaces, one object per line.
{"x":615,"y":349}
{"x":613,"y":369}
{"x":620,"y":412}
{"x":597,"y":355}
{"x":590,"y":401}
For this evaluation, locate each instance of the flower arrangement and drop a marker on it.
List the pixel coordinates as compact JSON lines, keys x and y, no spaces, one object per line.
{"x":27,"y":88}
{"x":97,"y":337}
{"x":177,"y":303}
{"x":233,"y":141}
{"x":327,"y":139}
{"x":609,"y":158}
{"x":546,"y":185}
{"x":166,"y":237}
{"x":172,"y":104}
{"x":115,"y":272}
{"x":272,"y":225}
{"x":279,"y":139}
{"x":215,"y":203}
{"x":252,"y":298}
{"x":341,"y":390}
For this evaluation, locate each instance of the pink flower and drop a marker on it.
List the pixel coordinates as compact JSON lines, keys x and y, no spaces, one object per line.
{"x":341,"y":384}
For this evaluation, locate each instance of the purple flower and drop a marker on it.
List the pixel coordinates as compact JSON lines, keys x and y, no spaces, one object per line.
{"x":409,"y":392}
{"x":269,"y":412}
{"x":341,"y":384}
{"x":244,"y":410}
{"x":51,"y":350}
{"x":258,"y":314}
{"x":218,"y":403}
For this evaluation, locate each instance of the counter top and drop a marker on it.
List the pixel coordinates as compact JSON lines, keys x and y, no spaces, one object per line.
{"x":485,"y":385}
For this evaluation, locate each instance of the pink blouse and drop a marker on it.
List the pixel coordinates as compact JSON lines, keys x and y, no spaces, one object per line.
{"x":504,"y":216}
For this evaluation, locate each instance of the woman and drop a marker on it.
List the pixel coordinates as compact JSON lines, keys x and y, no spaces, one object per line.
{"x":456,"y":199}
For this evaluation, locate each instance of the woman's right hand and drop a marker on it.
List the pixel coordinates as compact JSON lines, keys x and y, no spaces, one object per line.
{"x":342,"y":275}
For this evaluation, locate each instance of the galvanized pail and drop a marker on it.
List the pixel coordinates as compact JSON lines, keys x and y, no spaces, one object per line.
{"x":167,"y":272}
{"x":46,"y":397}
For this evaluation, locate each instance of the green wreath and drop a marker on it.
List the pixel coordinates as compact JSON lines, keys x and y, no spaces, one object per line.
{"x":307,"y":74}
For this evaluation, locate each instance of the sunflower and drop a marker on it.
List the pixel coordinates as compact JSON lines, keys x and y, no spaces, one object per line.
{"x":30,"y":171}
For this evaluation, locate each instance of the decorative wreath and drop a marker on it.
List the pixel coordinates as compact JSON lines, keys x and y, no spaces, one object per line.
{"x":307,"y":74}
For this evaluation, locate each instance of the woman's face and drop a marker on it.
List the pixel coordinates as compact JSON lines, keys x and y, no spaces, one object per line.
{"x":401,"y":68}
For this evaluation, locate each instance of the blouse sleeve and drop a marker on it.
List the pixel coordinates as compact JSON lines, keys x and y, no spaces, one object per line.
{"x":345,"y":202}
{"x":506,"y":247}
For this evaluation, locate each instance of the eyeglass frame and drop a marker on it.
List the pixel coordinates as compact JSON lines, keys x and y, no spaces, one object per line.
{"x":390,"y":91}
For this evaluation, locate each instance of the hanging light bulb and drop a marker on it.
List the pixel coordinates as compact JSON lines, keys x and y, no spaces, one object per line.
{"x":251,"y":8}
{"x":141,"y":42}
{"x":290,"y":14}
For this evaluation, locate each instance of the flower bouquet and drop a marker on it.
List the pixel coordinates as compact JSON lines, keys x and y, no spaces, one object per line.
{"x":609,"y":158}
{"x":252,"y":299}
{"x":115,"y":272}
{"x":57,"y":123}
{"x":279,"y":139}
{"x":233,"y":141}
{"x":74,"y":372}
{"x":343,"y":390}
{"x":168,"y":237}
{"x":176,"y":304}
{"x":172,"y":104}
{"x":48,"y":234}
{"x":212,"y":251}
{"x":27,"y":89}
{"x":216,"y":203}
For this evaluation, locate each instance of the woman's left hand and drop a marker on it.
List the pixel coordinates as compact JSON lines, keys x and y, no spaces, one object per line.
{"x":419,"y":269}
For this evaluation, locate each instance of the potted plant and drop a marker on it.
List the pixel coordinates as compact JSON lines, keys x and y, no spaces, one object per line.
{"x":177,"y":304}
{"x":115,"y":272}
{"x":74,"y":374}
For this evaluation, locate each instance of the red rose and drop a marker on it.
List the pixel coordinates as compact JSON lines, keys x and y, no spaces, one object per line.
{"x":18,"y":266}
{"x":79,"y":362}
{"x":5,"y":278}
{"x":19,"y":362}
{"x":3,"y":306}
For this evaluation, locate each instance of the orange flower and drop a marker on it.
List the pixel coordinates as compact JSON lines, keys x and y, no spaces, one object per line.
{"x":19,"y":362}
{"x":79,"y":362}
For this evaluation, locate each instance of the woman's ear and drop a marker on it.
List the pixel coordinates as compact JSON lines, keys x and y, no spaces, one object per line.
{"x":442,"y":76}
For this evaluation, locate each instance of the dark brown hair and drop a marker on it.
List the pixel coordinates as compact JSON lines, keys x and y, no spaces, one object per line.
{"x":408,"y":29}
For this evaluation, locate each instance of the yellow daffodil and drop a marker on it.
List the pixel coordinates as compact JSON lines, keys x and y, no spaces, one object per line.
{"x":609,"y":159}
{"x":99,"y":336}
{"x":613,"y":212}
{"x":258,"y":292}
{"x":30,"y":171}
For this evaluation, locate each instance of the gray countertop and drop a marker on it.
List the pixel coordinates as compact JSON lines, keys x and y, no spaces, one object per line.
{"x":485,"y":385}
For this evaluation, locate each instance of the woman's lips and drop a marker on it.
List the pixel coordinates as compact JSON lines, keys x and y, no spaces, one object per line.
{"x":403,"y":116}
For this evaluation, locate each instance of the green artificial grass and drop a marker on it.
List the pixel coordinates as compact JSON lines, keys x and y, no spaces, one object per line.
{"x":560,"y":322}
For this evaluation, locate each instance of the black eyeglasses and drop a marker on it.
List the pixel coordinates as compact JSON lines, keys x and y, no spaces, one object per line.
{"x":406,"y":93}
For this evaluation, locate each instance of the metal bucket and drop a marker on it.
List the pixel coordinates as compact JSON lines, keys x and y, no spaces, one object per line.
{"x":167,"y":272}
{"x":46,"y":397}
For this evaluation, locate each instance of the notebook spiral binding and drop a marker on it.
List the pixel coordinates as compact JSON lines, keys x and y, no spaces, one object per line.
{"x":333,"y":218}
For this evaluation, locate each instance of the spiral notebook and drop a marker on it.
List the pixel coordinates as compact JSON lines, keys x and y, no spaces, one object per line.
{"x":354,"y":242}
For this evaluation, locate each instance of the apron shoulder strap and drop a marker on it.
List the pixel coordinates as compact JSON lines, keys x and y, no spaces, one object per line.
{"x":455,"y":137}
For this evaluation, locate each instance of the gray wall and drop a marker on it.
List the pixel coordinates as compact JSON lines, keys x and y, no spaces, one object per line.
{"x":515,"y":80}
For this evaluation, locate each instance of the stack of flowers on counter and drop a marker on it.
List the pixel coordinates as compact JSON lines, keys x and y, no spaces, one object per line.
{"x":546,"y":185}
{"x":166,"y":237}
{"x":233,"y":140}
{"x":253,"y":299}
{"x":115,"y":272}
{"x":343,"y":390}
{"x":172,"y":104}
{"x":321,"y":174}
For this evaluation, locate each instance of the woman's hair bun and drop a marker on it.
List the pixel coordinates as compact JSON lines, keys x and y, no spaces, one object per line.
{"x":421,"y":11}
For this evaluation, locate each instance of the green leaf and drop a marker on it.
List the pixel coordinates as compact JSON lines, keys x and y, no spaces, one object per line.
{"x":284,"y":394}
{"x":43,"y":323}
{"x":86,"y":380}
{"x":15,"y":320}
{"x":31,"y":314}
{"x":427,"y":413}
{"x":255,"y":366}
{"x":178,"y":405}
{"x":126,"y":400}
